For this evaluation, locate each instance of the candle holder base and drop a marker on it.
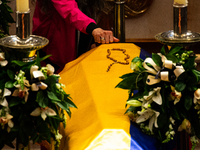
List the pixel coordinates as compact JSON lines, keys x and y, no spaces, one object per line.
{"x":170,"y":38}
{"x":24,"y":49}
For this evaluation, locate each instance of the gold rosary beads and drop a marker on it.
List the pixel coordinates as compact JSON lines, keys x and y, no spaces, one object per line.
{"x":116,"y":61}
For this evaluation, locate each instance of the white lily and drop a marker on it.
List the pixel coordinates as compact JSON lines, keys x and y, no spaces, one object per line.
{"x":36,"y":87}
{"x":196,"y":98}
{"x":153,"y":96}
{"x":43,"y":112}
{"x":3,"y":62}
{"x":21,"y":93}
{"x":186,"y":125}
{"x":175,"y":95}
{"x":172,"y":120}
{"x":35,"y":73}
{"x":7,"y":120}
{"x":3,"y":100}
{"x":33,"y":68}
{"x":150,"y":114}
{"x":50,"y":69}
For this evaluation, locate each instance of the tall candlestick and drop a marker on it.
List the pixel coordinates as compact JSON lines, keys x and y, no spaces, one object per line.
{"x":22,"y":6}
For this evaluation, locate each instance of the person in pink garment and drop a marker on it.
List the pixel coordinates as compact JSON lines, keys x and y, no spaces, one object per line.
{"x":58,"y":20}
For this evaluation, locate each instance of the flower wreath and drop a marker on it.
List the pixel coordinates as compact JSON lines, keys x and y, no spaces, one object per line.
{"x":32,"y":102}
{"x":164,"y":94}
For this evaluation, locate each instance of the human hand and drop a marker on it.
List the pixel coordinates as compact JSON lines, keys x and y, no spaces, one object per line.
{"x":103,"y":36}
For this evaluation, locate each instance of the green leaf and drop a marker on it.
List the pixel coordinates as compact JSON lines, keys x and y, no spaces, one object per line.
{"x":14,"y":102}
{"x":132,"y":109}
{"x":172,"y":58}
{"x":9,"y":84}
{"x":19,"y":63}
{"x":189,"y":63}
{"x":24,"y":139}
{"x":40,"y":98}
{"x":63,"y":105}
{"x":157,"y":59}
{"x":188,"y":99}
{"x":162,"y":119}
{"x":133,"y":74}
{"x":163,"y":50}
{"x":180,"y":86}
{"x":52,"y":96}
{"x":54,"y":121}
{"x":70,"y":103}
{"x":183,"y":76}
{"x":11,"y":74}
{"x":174,"y":50}
{"x":174,"y":113}
{"x":44,"y":102}
{"x":130,"y":82}
{"x":51,"y":81}
{"x":196,"y":73}
{"x":38,"y":59}
{"x":2,"y":83}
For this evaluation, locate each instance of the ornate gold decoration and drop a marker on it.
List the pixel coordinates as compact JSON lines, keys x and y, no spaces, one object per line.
{"x":132,"y":8}
{"x":115,"y":60}
{"x":136,"y":7}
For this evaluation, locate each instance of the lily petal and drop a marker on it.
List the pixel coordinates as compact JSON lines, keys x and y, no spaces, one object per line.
{"x":144,"y":115}
{"x":50,"y":112}
{"x":34,"y":87}
{"x":10,"y":124}
{"x":157,"y":99}
{"x":43,"y":86}
{"x":36,"y":112}
{"x":4,"y":63}
{"x":4,"y":103}
{"x":33,"y":68}
{"x":39,"y":75}
{"x":6,"y":92}
{"x":15,"y":93}
{"x":43,"y":115}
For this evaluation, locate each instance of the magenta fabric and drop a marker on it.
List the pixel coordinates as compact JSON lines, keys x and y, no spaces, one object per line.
{"x":59,"y":27}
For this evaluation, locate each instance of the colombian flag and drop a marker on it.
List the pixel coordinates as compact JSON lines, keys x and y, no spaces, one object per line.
{"x":99,"y":122}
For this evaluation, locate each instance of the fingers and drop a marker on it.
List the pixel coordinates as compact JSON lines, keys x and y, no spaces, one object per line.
{"x":104,"y":36}
{"x":115,"y":39}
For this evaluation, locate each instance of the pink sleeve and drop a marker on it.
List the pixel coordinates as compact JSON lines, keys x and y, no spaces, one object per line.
{"x":68,"y":9}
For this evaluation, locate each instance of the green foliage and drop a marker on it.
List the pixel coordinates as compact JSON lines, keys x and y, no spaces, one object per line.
{"x":5,"y":17}
{"x":23,"y":100}
{"x":171,"y":96}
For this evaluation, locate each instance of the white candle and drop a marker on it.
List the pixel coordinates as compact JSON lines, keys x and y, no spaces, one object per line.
{"x":22,"y":5}
{"x":183,"y":2}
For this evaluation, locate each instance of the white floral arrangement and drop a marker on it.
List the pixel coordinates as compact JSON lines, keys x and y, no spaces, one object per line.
{"x":32,"y":102}
{"x":164,"y":94}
